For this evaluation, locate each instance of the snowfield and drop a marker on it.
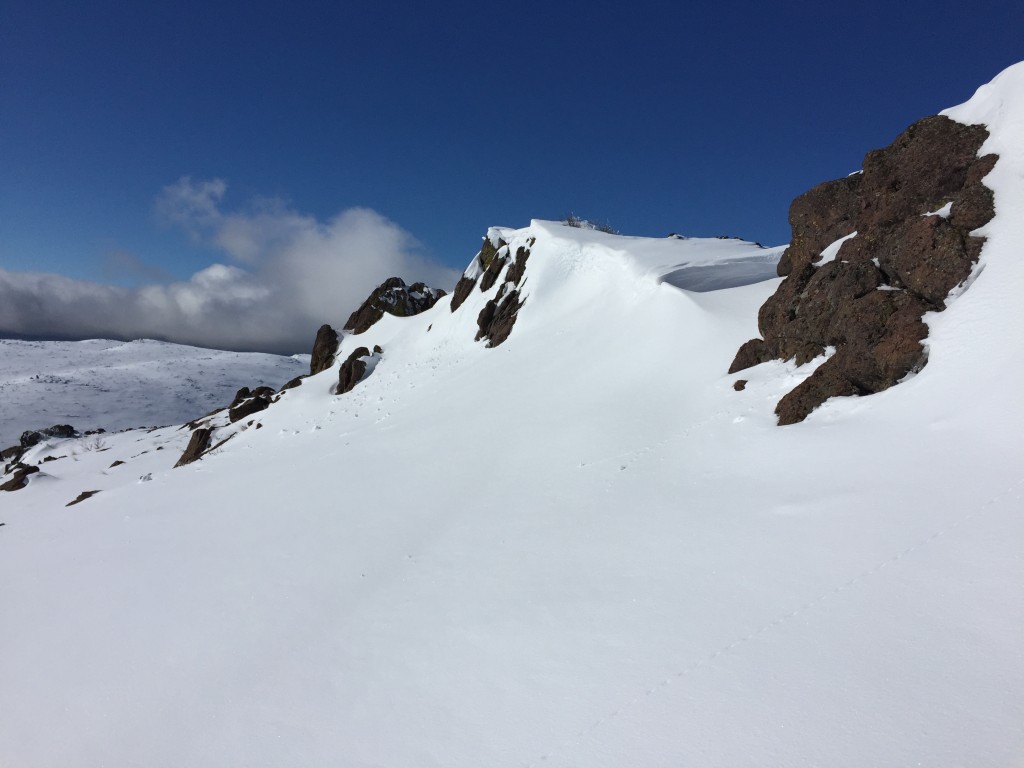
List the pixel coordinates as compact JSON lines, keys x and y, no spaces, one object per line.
{"x":118,"y":385}
{"x":580,"y":548}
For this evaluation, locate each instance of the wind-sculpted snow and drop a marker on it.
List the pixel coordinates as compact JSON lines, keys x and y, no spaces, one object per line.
{"x":582,"y":547}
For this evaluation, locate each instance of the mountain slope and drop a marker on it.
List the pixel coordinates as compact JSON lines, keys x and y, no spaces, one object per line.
{"x":582,"y":546}
{"x":117,"y":385}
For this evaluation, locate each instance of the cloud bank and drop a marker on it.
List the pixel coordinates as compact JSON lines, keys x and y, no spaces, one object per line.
{"x":285,"y":274}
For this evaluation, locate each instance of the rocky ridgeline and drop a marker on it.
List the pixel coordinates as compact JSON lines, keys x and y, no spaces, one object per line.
{"x":392,"y":297}
{"x":912,"y":209}
{"x":496,"y":319}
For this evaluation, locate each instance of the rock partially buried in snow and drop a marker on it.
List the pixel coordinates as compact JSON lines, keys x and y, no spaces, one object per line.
{"x":34,"y":437}
{"x":325,"y":347}
{"x":20,"y":477}
{"x":247,"y":403}
{"x":197,"y":445}
{"x":393,"y":297}
{"x":352,"y":370}
{"x":869,"y":257}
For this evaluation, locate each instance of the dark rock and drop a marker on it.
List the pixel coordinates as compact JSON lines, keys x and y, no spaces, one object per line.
{"x":296,"y":382}
{"x":488,"y":251}
{"x":751,"y":353}
{"x":324,"y":348}
{"x":20,"y":478}
{"x":490,"y":276}
{"x":50,"y":458}
{"x":739,"y":385}
{"x":34,"y":437}
{"x":869,"y":301}
{"x":352,"y":370}
{"x":517,"y":270}
{"x":393,"y":297}
{"x":462,"y":290}
{"x":117,"y":463}
{"x":196,"y":446}
{"x":495,"y":320}
{"x":81,"y":497}
{"x":12,"y":454}
{"x":818,"y":218}
{"x":258,"y":400}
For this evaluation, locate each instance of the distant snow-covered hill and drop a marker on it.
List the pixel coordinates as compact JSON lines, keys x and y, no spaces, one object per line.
{"x":546,"y":526}
{"x":114,"y":385}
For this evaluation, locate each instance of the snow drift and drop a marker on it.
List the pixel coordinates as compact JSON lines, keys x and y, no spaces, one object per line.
{"x":581,"y":546}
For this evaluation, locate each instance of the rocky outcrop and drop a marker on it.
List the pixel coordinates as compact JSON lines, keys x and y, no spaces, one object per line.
{"x":352,"y":370}
{"x":81,"y":497}
{"x":495,"y":320}
{"x":907,"y":220}
{"x":197,"y":446}
{"x":393,"y":297}
{"x":324,"y":348}
{"x":486,"y":267}
{"x":34,"y":437}
{"x":19,"y":479}
{"x":247,"y":402}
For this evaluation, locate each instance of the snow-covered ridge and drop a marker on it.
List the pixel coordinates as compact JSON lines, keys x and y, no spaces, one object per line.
{"x":581,"y":547}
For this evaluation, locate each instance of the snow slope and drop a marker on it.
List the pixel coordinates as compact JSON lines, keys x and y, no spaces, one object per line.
{"x":580,"y":548}
{"x":116,"y":385}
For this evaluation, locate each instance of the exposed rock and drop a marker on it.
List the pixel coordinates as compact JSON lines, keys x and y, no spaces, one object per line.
{"x":81,"y":497}
{"x":495,"y":320}
{"x":12,"y":454}
{"x":117,"y":463}
{"x":20,"y":478}
{"x":868,"y":301}
{"x":324,"y":348}
{"x":196,"y":446}
{"x":352,"y":370}
{"x":490,"y":276}
{"x":394,"y":297}
{"x":517,"y":270}
{"x":296,"y":382}
{"x":34,"y":437}
{"x":247,"y":403}
{"x":739,"y":385}
{"x":462,"y":290}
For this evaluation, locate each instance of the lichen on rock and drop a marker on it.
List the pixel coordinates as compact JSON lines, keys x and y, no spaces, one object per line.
{"x":900,"y":258}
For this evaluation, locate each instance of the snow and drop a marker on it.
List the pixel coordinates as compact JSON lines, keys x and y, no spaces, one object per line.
{"x":943,"y":212}
{"x":580,"y":548}
{"x":117,"y":385}
{"x":831,"y":251}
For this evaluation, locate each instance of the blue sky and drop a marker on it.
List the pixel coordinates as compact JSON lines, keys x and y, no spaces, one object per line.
{"x":698,"y":118}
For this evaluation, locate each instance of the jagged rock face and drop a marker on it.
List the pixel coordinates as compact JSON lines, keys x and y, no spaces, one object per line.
{"x":247,"y":403}
{"x":868,"y":301}
{"x":394,"y":297}
{"x":495,"y":320}
{"x":324,"y":348}
{"x":352,"y":370}
{"x":34,"y":437}
{"x":197,"y":445}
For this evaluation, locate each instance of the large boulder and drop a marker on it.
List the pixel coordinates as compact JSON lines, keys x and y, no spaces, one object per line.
{"x":393,"y":297}
{"x":324,"y":348}
{"x":906,"y":225}
{"x":352,"y":370}
{"x":197,"y":446}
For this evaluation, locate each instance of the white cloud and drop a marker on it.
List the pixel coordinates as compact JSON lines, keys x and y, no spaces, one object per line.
{"x":291,"y":273}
